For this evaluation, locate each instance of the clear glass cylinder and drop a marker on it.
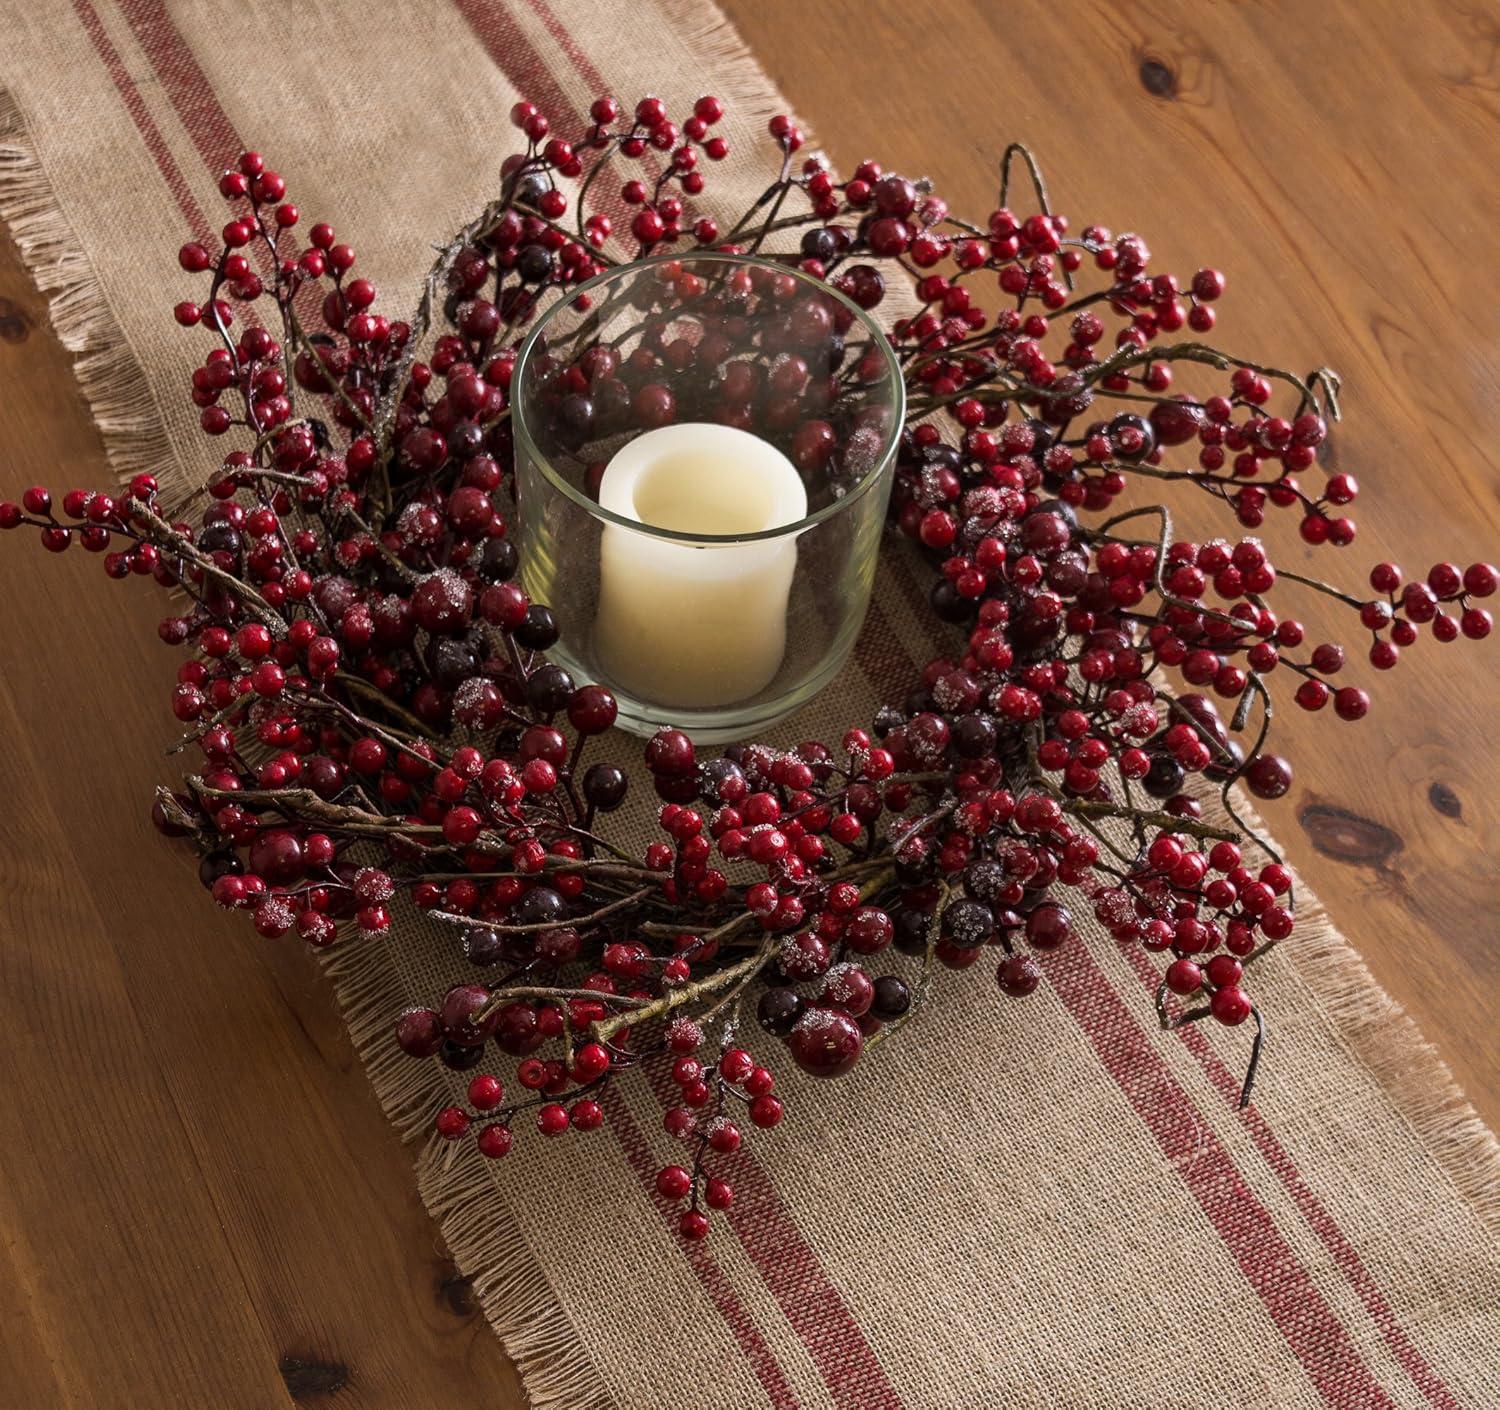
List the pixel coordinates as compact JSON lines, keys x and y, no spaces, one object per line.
{"x":704,"y":449}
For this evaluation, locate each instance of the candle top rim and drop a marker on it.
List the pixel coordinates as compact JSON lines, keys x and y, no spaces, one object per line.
{"x":782,"y":493}
{"x":790,"y":529}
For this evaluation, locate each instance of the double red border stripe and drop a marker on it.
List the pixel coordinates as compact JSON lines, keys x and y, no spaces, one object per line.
{"x":720,"y":1291}
{"x":1298,"y":1309}
{"x":1318,"y":1218}
{"x":795,"y":1277}
{"x":145,"y":125}
{"x":792,"y":1272}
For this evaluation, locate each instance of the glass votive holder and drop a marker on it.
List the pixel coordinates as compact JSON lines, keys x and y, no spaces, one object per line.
{"x":704,"y":448}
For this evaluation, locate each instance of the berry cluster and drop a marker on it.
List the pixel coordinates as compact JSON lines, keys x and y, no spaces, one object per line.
{"x":379,"y":726}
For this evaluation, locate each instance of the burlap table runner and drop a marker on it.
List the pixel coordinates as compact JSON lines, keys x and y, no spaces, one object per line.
{"x":1049,"y":1203}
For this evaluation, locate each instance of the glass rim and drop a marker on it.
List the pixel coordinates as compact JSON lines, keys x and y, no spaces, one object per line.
{"x":527,"y":446}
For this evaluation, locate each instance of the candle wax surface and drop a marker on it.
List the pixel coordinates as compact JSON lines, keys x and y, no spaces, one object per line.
{"x":696,"y":625}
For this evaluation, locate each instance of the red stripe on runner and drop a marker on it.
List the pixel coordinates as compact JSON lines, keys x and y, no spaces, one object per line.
{"x":795,"y":1277}
{"x":150,"y":134}
{"x":512,"y":53}
{"x":881,"y":656}
{"x":209,"y":128}
{"x":1316,"y":1215}
{"x":183,"y":81}
{"x":1296,"y":1307}
{"x":739,"y":1321}
{"x":195,"y":104}
{"x":1312,"y":1209}
{"x":563,"y":37}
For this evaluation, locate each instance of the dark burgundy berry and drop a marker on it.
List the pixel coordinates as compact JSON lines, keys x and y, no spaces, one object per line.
{"x":559,"y":946}
{"x":419,"y":1032}
{"x":462,"y":1007}
{"x":1268,"y":776}
{"x":892,"y":998}
{"x":482,"y":946}
{"x":217,"y":864}
{"x":670,"y":754}
{"x":974,"y":737}
{"x":1164,"y":777}
{"x":967,"y":924}
{"x":517,"y":1031}
{"x":1019,"y":975}
{"x":460,"y":1057}
{"x":540,"y":906}
{"x":534,"y":264}
{"x":548,"y":689}
{"x":1048,"y":926}
{"x":538,"y":630}
{"x":220,"y":538}
{"x":498,"y":560}
{"x":452,"y":661}
{"x":912,"y":926}
{"x":821,"y":244}
{"x":985,"y":880}
{"x":605,"y":785}
{"x":778,"y":1010}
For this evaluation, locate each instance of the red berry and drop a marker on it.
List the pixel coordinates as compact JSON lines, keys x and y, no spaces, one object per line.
{"x":1230,"y":1005}
{"x":1184,"y":977}
{"x":486,"y":1093}
{"x":1019,"y":975}
{"x":590,"y":1062}
{"x":824,"y":1043}
{"x":736,"y":1065}
{"x":494,"y":1141}
{"x":766,"y":1111}
{"x":717,"y":1193}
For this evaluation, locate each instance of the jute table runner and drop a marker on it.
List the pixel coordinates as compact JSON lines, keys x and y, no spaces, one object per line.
{"x":1049,"y":1203}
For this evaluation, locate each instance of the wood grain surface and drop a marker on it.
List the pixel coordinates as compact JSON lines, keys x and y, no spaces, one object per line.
{"x":201,"y":1205}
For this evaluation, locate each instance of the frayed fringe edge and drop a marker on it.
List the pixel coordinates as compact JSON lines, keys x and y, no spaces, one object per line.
{"x":1386,"y":1041}
{"x":135,"y":438}
{"x":458,"y":1187}
{"x":738,"y":78}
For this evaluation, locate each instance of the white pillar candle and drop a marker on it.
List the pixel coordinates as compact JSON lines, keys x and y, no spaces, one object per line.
{"x":694,"y":625}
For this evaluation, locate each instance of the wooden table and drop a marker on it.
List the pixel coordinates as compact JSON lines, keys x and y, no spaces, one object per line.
{"x":201,"y":1204}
